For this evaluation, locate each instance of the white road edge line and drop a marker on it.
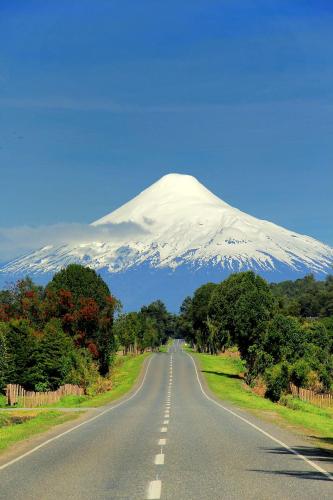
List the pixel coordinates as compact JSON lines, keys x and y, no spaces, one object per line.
{"x":281,"y":443}
{"x":154,"y":490}
{"x":48,"y":441}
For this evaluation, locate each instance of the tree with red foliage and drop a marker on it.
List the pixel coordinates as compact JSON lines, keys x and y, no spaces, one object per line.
{"x":83,"y":302}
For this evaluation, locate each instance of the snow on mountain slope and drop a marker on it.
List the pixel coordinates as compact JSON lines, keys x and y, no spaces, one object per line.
{"x":180,"y":222}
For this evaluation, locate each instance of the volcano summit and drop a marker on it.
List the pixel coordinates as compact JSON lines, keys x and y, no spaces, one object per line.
{"x":174,"y":236}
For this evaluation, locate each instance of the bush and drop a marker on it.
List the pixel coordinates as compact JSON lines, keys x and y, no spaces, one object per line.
{"x":277,"y":380}
{"x":80,"y":369}
{"x":299,"y":374}
{"x":101,"y":384}
{"x":290,"y":402}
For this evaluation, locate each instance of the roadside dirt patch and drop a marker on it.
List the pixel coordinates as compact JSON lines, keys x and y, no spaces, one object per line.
{"x":14,"y":419}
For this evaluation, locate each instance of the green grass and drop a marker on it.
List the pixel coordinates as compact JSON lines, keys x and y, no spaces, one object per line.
{"x":165,"y":348}
{"x":124,"y":374}
{"x":3,"y":401}
{"x":223,"y":377}
{"x":17,"y":426}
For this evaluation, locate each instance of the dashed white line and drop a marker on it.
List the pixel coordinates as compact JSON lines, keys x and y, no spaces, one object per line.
{"x":159,"y":459}
{"x":164,"y":429}
{"x":166,"y":422}
{"x":162,"y":442}
{"x":154,"y":490}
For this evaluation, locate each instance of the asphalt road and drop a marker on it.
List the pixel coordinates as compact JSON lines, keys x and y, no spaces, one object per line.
{"x":170,"y":441}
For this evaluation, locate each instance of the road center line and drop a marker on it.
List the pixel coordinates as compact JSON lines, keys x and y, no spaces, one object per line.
{"x":154,"y":490}
{"x":159,"y":459}
{"x":281,"y":443}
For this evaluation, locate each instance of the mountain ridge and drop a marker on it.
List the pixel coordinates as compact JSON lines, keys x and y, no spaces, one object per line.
{"x":178,"y":223}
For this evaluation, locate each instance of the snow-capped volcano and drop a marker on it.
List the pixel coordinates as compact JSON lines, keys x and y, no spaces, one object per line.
{"x":177,"y":222}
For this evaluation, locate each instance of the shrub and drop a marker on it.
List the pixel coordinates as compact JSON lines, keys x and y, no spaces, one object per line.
{"x":277,"y":380}
{"x":101,"y":384}
{"x":299,"y":374}
{"x":80,"y":369}
{"x":290,"y":402}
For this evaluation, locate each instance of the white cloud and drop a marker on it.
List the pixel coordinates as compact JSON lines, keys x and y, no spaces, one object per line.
{"x":16,"y":241}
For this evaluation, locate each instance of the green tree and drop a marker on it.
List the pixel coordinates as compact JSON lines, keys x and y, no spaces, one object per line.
{"x":285,"y":339}
{"x":21,"y":348}
{"x":162,"y":318}
{"x":242,"y":306}
{"x":82,"y":282}
{"x":80,"y":297}
{"x":51,"y":353}
{"x":3,"y":356}
{"x":299,"y":373}
{"x":127,"y":330}
{"x":184,"y":326}
{"x":200,"y":309}
{"x":151,"y":337}
{"x":277,"y":380}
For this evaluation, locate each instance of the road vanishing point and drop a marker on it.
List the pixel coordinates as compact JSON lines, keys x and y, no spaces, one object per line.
{"x":169,"y":439}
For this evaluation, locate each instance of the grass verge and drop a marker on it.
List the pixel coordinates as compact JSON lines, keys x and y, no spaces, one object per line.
{"x":165,"y":348}
{"x":124,"y":375}
{"x":223,"y":378}
{"x":17,"y":426}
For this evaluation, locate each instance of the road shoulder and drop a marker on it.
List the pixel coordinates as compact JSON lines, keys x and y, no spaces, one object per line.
{"x":293,"y":438}
{"x":80,"y":416}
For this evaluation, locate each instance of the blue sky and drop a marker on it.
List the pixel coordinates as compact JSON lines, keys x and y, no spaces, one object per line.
{"x":98,"y":99}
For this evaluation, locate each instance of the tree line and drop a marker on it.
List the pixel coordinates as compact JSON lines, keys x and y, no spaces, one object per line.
{"x":70,"y":330}
{"x":284,"y":332}
{"x":149,"y":327}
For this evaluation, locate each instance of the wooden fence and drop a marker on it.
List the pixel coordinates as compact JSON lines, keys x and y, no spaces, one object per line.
{"x":320,"y":399}
{"x":16,"y":394}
